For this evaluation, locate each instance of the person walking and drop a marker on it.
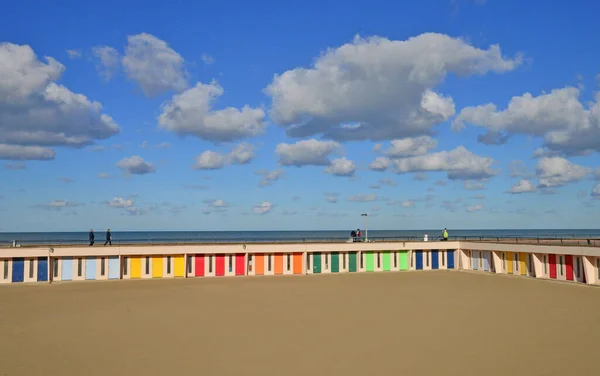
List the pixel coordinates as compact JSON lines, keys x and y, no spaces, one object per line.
{"x":445,"y":235}
{"x":92,"y":237}
{"x":108,"y":238}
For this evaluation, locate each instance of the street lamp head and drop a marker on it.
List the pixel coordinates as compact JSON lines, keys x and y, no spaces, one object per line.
{"x":363,"y":215}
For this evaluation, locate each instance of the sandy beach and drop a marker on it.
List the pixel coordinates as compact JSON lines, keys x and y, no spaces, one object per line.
{"x":412,"y":323}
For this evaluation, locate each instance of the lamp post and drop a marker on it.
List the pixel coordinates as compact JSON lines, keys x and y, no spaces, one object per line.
{"x":366,"y":226}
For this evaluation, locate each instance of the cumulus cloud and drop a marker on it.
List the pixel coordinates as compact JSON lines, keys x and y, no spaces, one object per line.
{"x":191,"y":113}
{"x":269,"y":177}
{"x":262,"y":208}
{"x":135,"y":165}
{"x":341,"y":167}
{"x":36,"y":113}
{"x":305,"y":153}
{"x":363,"y":197}
{"x":410,"y":147}
{"x":154,"y":65}
{"x":458,"y":163}
{"x":376,"y":88}
{"x":212,"y":160}
{"x":555,"y":172}
{"x":523,"y":186}
{"x":109,"y":60}
{"x":380,"y":164}
{"x":566,"y":125}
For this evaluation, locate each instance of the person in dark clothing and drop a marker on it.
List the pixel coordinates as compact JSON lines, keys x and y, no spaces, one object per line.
{"x":108,"y":238}
{"x":92,"y":237}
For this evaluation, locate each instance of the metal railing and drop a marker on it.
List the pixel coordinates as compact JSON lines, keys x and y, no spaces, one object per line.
{"x":560,"y":239}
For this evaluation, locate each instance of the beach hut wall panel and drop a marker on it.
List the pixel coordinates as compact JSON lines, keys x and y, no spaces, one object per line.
{"x":475,"y":260}
{"x":268,"y":267}
{"x":29,"y":270}
{"x":135,"y":267}
{"x":209,"y":265}
{"x":450,"y":259}
{"x":325,"y":262}
{"x":522,"y":263}
{"x":552,"y":269}
{"x":298,"y":267}
{"x":67,"y":269}
{"x":386,"y":261}
{"x":560,"y":268}
{"x":5,"y":270}
{"x":278,"y":264}
{"x":78,"y":268}
{"x":578,"y":269}
{"x":435,"y":259}
{"x":199,"y":265}
{"x":485,"y":255}
{"x":18,"y":269}
{"x":157,"y":266}
{"x":569,"y":276}
{"x":259,"y":264}
{"x":403,"y":260}
{"x":114,"y":265}
{"x":90,"y":268}
{"x":179,"y":265}
{"x":288,"y":263}
{"x":146,"y":267}
{"x":335,"y":262}
{"x":42,"y":269}
{"x":101,"y":268}
{"x":418,"y":260}
{"x":240,"y":264}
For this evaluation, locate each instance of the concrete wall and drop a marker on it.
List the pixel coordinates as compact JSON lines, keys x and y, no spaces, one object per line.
{"x":565,"y":263}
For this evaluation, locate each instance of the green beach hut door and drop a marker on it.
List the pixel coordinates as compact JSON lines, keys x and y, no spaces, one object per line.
{"x":317,"y":262}
{"x":352,"y":262}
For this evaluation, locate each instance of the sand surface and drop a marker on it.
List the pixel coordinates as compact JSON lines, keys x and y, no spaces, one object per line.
{"x":407,"y":323}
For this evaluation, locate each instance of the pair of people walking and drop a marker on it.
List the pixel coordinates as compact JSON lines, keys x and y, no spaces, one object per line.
{"x":108,"y":238}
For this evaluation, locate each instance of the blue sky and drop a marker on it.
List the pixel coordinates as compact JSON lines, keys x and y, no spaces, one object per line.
{"x":268,"y":116}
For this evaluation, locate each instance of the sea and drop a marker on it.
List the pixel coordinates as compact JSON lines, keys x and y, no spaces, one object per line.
{"x":187,"y":237}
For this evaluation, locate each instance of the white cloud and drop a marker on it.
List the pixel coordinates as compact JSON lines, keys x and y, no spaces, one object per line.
{"x":341,"y":167}
{"x":104,"y":175}
{"x":306,"y":152}
{"x":331,"y":197}
{"x":137,"y":211}
{"x":207,"y":59}
{"x":153,"y":65}
{"x":59,"y":204}
{"x":380,"y":164}
{"x":269,"y":177}
{"x":474,"y":208}
{"x":212,"y":160}
{"x":557,"y":172}
{"x":385,"y":88}
{"x":162,"y":145}
{"x":458,"y":164}
{"x":262,"y":208}
{"x":120,"y":202}
{"x":219,"y":204}
{"x":474,"y":186}
{"x":74,"y":54}
{"x":109,"y":60}
{"x":36,"y":113}
{"x":191,"y":113}
{"x":410,"y":147}
{"x":377,"y":147}
{"x":135,"y":165}
{"x":18,"y":152}
{"x":523,"y":186}
{"x":363,"y":197}
{"x":596,"y":191}
{"x":564,"y":123}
